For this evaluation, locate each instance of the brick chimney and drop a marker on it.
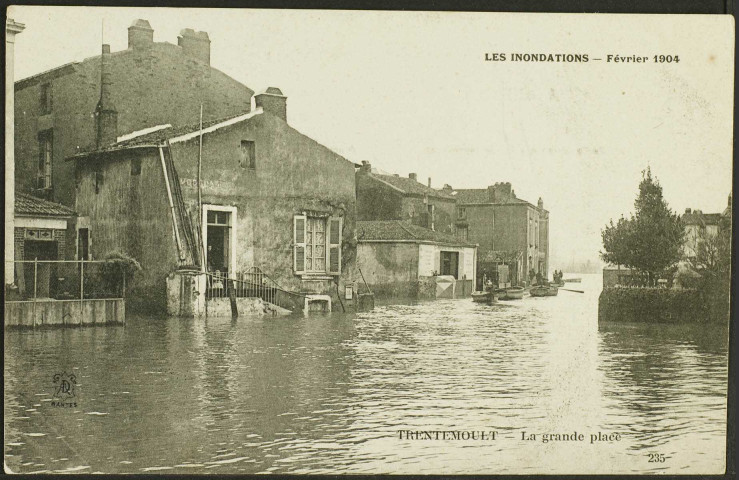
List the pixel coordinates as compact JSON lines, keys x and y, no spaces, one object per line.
{"x":195,"y":44}
{"x":106,"y":116}
{"x":273,"y":101}
{"x":140,"y":35}
{"x":540,"y":203}
{"x":413,"y":177}
{"x":366,"y":167}
{"x":429,"y":182}
{"x":447,"y":187}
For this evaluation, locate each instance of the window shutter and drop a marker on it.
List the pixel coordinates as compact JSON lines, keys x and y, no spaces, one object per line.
{"x":334,"y":245}
{"x":460,"y":266}
{"x":299,"y":222}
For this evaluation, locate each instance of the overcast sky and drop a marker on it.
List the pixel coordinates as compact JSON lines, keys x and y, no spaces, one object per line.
{"x":411,"y":92}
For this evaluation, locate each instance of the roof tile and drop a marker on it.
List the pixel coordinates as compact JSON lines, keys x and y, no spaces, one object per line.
{"x":28,"y":205}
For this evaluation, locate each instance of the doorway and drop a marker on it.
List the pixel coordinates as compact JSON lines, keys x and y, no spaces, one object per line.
{"x":40,"y":279}
{"x":218,"y":242}
{"x":450,"y":264}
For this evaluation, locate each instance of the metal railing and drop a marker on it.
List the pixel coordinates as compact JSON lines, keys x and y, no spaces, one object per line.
{"x":65,"y":280}
{"x":253,"y":283}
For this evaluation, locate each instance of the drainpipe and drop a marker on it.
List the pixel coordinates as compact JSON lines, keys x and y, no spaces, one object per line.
{"x":171,"y":204}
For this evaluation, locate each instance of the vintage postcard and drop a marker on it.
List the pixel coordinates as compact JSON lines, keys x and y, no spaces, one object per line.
{"x":366,"y":242}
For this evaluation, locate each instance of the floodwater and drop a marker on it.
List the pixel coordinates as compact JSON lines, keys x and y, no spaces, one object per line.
{"x":331,"y":393}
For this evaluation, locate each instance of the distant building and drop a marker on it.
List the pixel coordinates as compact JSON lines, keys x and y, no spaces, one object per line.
{"x":618,"y":276}
{"x":57,"y":112}
{"x":392,"y":197}
{"x":510,"y":232}
{"x":697,"y":225}
{"x":267,"y":196}
{"x":398,"y":258}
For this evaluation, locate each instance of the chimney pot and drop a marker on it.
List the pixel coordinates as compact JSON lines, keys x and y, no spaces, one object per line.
{"x":273,"y":101}
{"x":106,"y":48}
{"x":195,"y":44}
{"x":429,"y":182}
{"x":140,"y":34}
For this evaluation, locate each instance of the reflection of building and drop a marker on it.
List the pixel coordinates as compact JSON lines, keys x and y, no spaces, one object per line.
{"x":266,"y":196}
{"x":395,"y":257}
{"x":509,"y":231}
{"x":149,"y":83}
{"x":698,"y":225}
{"x":392,"y":197}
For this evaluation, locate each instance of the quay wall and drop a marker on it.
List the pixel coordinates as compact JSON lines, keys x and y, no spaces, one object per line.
{"x":65,"y":312}
{"x":652,"y":305}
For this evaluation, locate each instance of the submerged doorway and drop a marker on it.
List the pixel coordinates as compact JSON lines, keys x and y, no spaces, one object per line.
{"x":218,"y":237}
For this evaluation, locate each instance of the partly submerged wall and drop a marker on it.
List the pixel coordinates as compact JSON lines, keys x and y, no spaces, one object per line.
{"x":65,"y":312}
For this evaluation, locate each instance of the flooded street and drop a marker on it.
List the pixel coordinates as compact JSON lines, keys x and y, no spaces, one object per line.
{"x":329,"y":394}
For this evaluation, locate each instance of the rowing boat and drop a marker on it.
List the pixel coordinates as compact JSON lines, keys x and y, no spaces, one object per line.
{"x":512,"y":293}
{"x":543,"y":291}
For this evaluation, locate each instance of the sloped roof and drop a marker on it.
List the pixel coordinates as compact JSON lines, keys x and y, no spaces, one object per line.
{"x":408,"y":185}
{"x":397,"y":230}
{"x":168,"y":132}
{"x":32,"y":206}
{"x":699,"y":218}
{"x":481,"y":195}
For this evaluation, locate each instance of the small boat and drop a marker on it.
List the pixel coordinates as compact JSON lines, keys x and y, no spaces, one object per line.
{"x":484,"y":297}
{"x":572,"y":280}
{"x":557,"y":284}
{"x":543,"y":291}
{"x":481,"y":297}
{"x":512,"y":293}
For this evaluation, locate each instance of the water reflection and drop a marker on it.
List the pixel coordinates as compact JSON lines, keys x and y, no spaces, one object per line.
{"x":328,"y":394}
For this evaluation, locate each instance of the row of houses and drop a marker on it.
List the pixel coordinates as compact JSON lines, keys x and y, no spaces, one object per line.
{"x":152,"y":152}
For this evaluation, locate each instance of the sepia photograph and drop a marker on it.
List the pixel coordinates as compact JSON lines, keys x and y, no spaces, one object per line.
{"x":274,"y":241}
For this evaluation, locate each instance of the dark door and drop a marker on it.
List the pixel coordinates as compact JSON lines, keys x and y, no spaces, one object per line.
{"x":40,"y":279}
{"x":450,"y":264}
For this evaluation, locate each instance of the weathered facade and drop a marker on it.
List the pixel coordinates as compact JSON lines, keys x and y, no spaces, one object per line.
{"x":392,"y":197}
{"x":150,"y":83}
{"x":399,"y":259}
{"x":263,"y":196}
{"x":697,"y":225}
{"x":509,"y":231}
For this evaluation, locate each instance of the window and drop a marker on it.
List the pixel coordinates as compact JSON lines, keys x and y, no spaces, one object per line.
{"x":462,"y":212}
{"x":136,"y":166}
{"x":431,"y":216}
{"x":45,"y":99}
{"x":98,"y":180}
{"x":247,"y":156}
{"x":317,"y":245}
{"x":45,"y":158}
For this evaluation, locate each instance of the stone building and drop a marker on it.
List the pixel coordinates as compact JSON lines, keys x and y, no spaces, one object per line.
{"x":400,"y":259}
{"x":149,"y":83}
{"x":255,"y":193}
{"x":392,"y":197}
{"x":512,"y":234}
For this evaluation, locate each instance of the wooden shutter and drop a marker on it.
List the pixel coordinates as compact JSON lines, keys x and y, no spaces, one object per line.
{"x":460,"y":266}
{"x":334,"y":245}
{"x":299,"y":224}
